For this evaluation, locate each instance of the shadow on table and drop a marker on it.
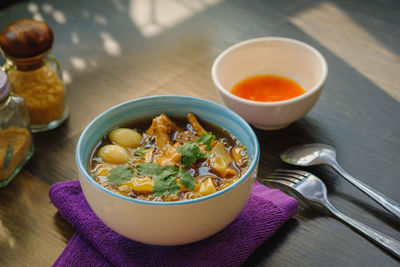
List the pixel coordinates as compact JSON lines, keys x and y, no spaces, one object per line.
{"x":378,"y":212}
{"x":63,"y":227}
{"x":5,"y":3}
{"x":272,"y":244}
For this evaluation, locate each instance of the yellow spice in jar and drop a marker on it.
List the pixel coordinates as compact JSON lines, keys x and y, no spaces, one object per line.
{"x":16,"y":140}
{"x":43,"y":91}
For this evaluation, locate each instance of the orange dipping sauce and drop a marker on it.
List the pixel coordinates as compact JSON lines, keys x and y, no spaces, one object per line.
{"x":267,"y":88}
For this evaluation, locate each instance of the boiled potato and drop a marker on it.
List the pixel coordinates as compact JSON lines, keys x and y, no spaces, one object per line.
{"x":207,"y":187}
{"x":125,"y":137}
{"x":220,"y":159}
{"x":113,"y":154}
{"x":142,"y":185}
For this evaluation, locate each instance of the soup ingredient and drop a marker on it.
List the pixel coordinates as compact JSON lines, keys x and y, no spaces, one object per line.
{"x":192,"y":152}
{"x":220,"y":159}
{"x":113,"y":154}
{"x":207,"y":187}
{"x":206,"y":139}
{"x":142,"y":185}
{"x":125,"y":137}
{"x":119,"y":175}
{"x":165,"y":178}
{"x":139,"y":152}
{"x":267,"y":88}
{"x":161,"y":130}
{"x":171,"y":162}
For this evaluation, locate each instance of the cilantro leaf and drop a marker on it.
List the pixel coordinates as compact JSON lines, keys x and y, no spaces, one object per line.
{"x":206,"y":139}
{"x":119,"y":175}
{"x":190,"y":153}
{"x":186,"y":179}
{"x":139,"y":152}
{"x":149,"y":169}
{"x":165,"y":178}
{"x":165,"y":183}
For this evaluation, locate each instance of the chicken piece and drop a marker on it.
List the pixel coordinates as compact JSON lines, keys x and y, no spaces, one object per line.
{"x":195,"y":124}
{"x":169,"y":155}
{"x":161,"y":128}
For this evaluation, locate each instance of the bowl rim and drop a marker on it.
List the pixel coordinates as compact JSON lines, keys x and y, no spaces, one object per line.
{"x":252,"y":167}
{"x":228,"y":94}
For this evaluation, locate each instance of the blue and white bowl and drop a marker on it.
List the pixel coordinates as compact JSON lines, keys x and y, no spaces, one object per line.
{"x":167,"y":223}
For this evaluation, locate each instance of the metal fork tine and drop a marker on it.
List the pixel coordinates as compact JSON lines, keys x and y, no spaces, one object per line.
{"x":286,"y":177}
{"x":279,"y":181}
{"x":313,"y":189}
{"x":288,"y":174}
{"x":297,"y":172}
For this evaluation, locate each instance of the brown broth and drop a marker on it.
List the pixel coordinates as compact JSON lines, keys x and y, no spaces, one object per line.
{"x":199,"y":169}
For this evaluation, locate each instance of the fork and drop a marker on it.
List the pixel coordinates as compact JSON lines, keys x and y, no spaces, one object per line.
{"x":313,"y":189}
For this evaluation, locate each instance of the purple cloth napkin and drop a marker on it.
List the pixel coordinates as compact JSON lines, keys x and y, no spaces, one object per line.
{"x":95,"y":244}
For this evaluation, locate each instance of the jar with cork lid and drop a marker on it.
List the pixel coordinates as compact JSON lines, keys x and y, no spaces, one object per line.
{"x":16,"y":146}
{"x":33,"y":73}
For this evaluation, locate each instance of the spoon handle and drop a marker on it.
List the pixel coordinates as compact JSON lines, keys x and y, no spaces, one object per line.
{"x":383,"y":200}
{"x":383,"y":240}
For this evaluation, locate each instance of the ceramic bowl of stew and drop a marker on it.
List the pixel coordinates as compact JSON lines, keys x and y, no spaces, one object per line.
{"x":166,"y":223}
{"x":280,"y":57}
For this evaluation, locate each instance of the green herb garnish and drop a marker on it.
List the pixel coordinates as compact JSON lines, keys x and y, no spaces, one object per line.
{"x":165,"y":183}
{"x":165,"y":178}
{"x":140,"y":152}
{"x":149,"y":169}
{"x":186,"y":179}
{"x":119,"y":175}
{"x":191,"y":151}
{"x":206,"y":139}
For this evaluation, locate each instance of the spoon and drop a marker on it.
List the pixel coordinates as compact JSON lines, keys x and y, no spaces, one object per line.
{"x":316,"y":154}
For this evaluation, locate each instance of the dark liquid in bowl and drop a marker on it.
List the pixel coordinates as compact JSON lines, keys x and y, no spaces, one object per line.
{"x":201,"y":169}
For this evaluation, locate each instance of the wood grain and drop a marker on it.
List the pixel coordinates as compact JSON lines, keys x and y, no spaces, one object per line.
{"x":110,"y":55}
{"x":31,"y":231}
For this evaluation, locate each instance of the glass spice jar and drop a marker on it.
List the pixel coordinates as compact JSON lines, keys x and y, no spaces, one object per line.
{"x":33,"y":73}
{"x":16,"y":146}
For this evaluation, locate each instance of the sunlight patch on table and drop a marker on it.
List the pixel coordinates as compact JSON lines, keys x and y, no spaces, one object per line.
{"x":67,"y":79}
{"x":75,"y":38}
{"x":100,"y":19}
{"x":78,"y":63}
{"x":47,"y":8}
{"x":32,"y":7}
{"x":6,"y":236}
{"x":110,"y":44}
{"x":154,"y":17}
{"x":59,"y":17}
{"x":349,"y":41}
{"x":37,"y":16}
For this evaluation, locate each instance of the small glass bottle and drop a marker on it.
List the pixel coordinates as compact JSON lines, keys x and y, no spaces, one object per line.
{"x":33,"y":73}
{"x":16,"y":146}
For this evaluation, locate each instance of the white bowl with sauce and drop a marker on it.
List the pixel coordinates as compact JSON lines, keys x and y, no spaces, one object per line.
{"x":167,"y":223}
{"x":279,"y":56}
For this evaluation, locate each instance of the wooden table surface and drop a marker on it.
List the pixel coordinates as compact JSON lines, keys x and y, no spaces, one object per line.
{"x":114,"y":51}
